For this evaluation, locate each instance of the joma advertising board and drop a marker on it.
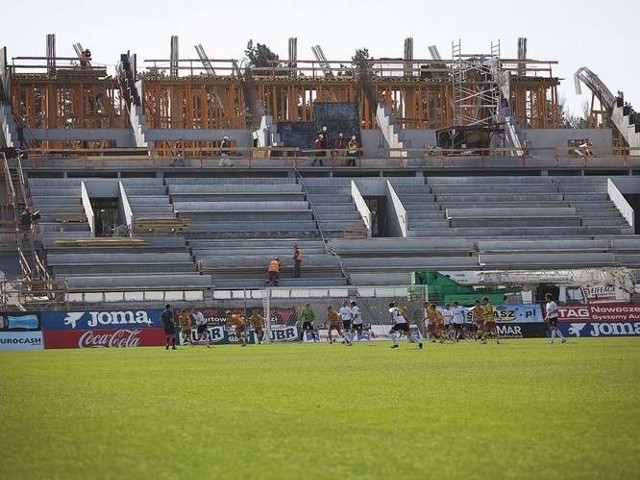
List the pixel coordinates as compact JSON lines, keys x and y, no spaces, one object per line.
{"x":103,"y":329}
{"x":602,"y":320}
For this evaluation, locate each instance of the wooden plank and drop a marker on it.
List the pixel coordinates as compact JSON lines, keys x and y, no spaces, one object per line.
{"x":101,"y":242}
{"x":71,"y":219}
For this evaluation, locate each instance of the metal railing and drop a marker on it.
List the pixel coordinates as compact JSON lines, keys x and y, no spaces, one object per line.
{"x":293,"y":157}
{"x":327,"y":248}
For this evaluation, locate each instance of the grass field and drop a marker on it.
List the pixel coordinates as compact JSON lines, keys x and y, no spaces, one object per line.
{"x":523,"y":409}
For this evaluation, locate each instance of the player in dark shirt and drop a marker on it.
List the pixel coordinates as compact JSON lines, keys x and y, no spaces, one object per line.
{"x":169,"y":327}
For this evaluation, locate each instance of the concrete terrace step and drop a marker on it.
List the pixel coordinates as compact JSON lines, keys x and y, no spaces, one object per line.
{"x":83,"y":283}
{"x":121,"y":269}
{"x":285,"y":282}
{"x":248,"y":188}
{"x":508,"y":212}
{"x":515,"y":221}
{"x":498,"y":197}
{"x":263,"y":181}
{"x":303,"y":243}
{"x":557,"y":259}
{"x":574,"y":197}
{"x":135,"y":191}
{"x":50,"y":201}
{"x":237,"y":197}
{"x":118,"y":258}
{"x":543,"y":245}
{"x":407,"y":263}
{"x":187,"y":207}
{"x":150,"y":200}
{"x":581,"y":188}
{"x":402,"y":246}
{"x":493,"y":180}
{"x":524,"y":231}
{"x":491,"y":188}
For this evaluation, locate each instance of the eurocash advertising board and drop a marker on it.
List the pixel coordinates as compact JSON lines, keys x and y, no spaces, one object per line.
{"x":602,"y":320}
{"x":20,"y":331}
{"x":103,"y":329}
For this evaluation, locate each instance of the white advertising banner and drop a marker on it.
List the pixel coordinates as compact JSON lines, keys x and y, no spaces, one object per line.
{"x":21,"y":341}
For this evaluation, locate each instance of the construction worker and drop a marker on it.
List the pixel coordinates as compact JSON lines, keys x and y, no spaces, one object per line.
{"x":26,"y":220}
{"x":318,"y":146}
{"x":297,"y":261}
{"x":274,"y":272}
{"x":340,"y":147}
{"x":225,"y":150}
{"x":85,"y":58}
{"x":352,"y":151}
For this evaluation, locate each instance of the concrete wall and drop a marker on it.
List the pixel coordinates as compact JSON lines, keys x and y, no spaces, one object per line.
{"x":627,"y":185}
{"x":122,"y":136}
{"x":415,"y":138}
{"x":243,"y":138}
{"x":617,"y":197}
{"x":537,"y":138}
{"x":554,"y":138}
{"x":396,"y":214}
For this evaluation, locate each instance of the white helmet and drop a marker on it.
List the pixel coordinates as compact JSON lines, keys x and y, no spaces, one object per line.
{"x":226,"y":137}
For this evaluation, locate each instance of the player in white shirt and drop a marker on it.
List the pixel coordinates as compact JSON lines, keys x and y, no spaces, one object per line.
{"x":356,"y":319}
{"x":346,"y":316}
{"x":201,"y":324}
{"x":457,"y":317}
{"x":400,"y":325}
{"x":551,"y":317}
{"x":447,"y":317}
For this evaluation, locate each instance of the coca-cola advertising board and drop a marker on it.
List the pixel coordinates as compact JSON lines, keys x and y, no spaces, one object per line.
{"x":124,"y":318}
{"x":104,"y":338}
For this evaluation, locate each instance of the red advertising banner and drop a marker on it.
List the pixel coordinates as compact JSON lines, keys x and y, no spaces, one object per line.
{"x":107,"y":338}
{"x":606,"y":312}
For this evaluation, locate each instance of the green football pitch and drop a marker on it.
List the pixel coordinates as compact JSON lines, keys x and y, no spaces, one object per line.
{"x":522,"y":409}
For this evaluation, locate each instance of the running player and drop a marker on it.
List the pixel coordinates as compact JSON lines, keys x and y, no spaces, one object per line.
{"x":345,"y":315}
{"x":201,"y":325}
{"x":400,"y":326}
{"x":240,"y":323}
{"x":257,"y":322}
{"x":478,"y":319}
{"x":435,"y":322}
{"x":489,"y":320}
{"x":333,"y":322}
{"x":551,"y":318}
{"x":356,"y":320}
{"x":184,"y":320}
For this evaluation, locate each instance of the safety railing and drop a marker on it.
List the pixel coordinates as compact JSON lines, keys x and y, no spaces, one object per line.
{"x":328,"y":250}
{"x":279,"y":157}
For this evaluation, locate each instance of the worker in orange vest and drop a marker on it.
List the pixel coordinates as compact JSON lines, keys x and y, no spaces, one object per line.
{"x":274,"y":271}
{"x":297,"y":261}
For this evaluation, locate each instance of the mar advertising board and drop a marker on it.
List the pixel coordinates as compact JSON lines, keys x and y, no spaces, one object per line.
{"x":600,"y":320}
{"x":20,"y":331}
{"x":103,"y":329}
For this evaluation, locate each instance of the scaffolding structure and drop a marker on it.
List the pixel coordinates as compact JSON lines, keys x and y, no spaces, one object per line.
{"x":476,"y":96}
{"x":206,"y":93}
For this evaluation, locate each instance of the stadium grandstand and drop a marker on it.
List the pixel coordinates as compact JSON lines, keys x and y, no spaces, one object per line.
{"x":180,"y":179}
